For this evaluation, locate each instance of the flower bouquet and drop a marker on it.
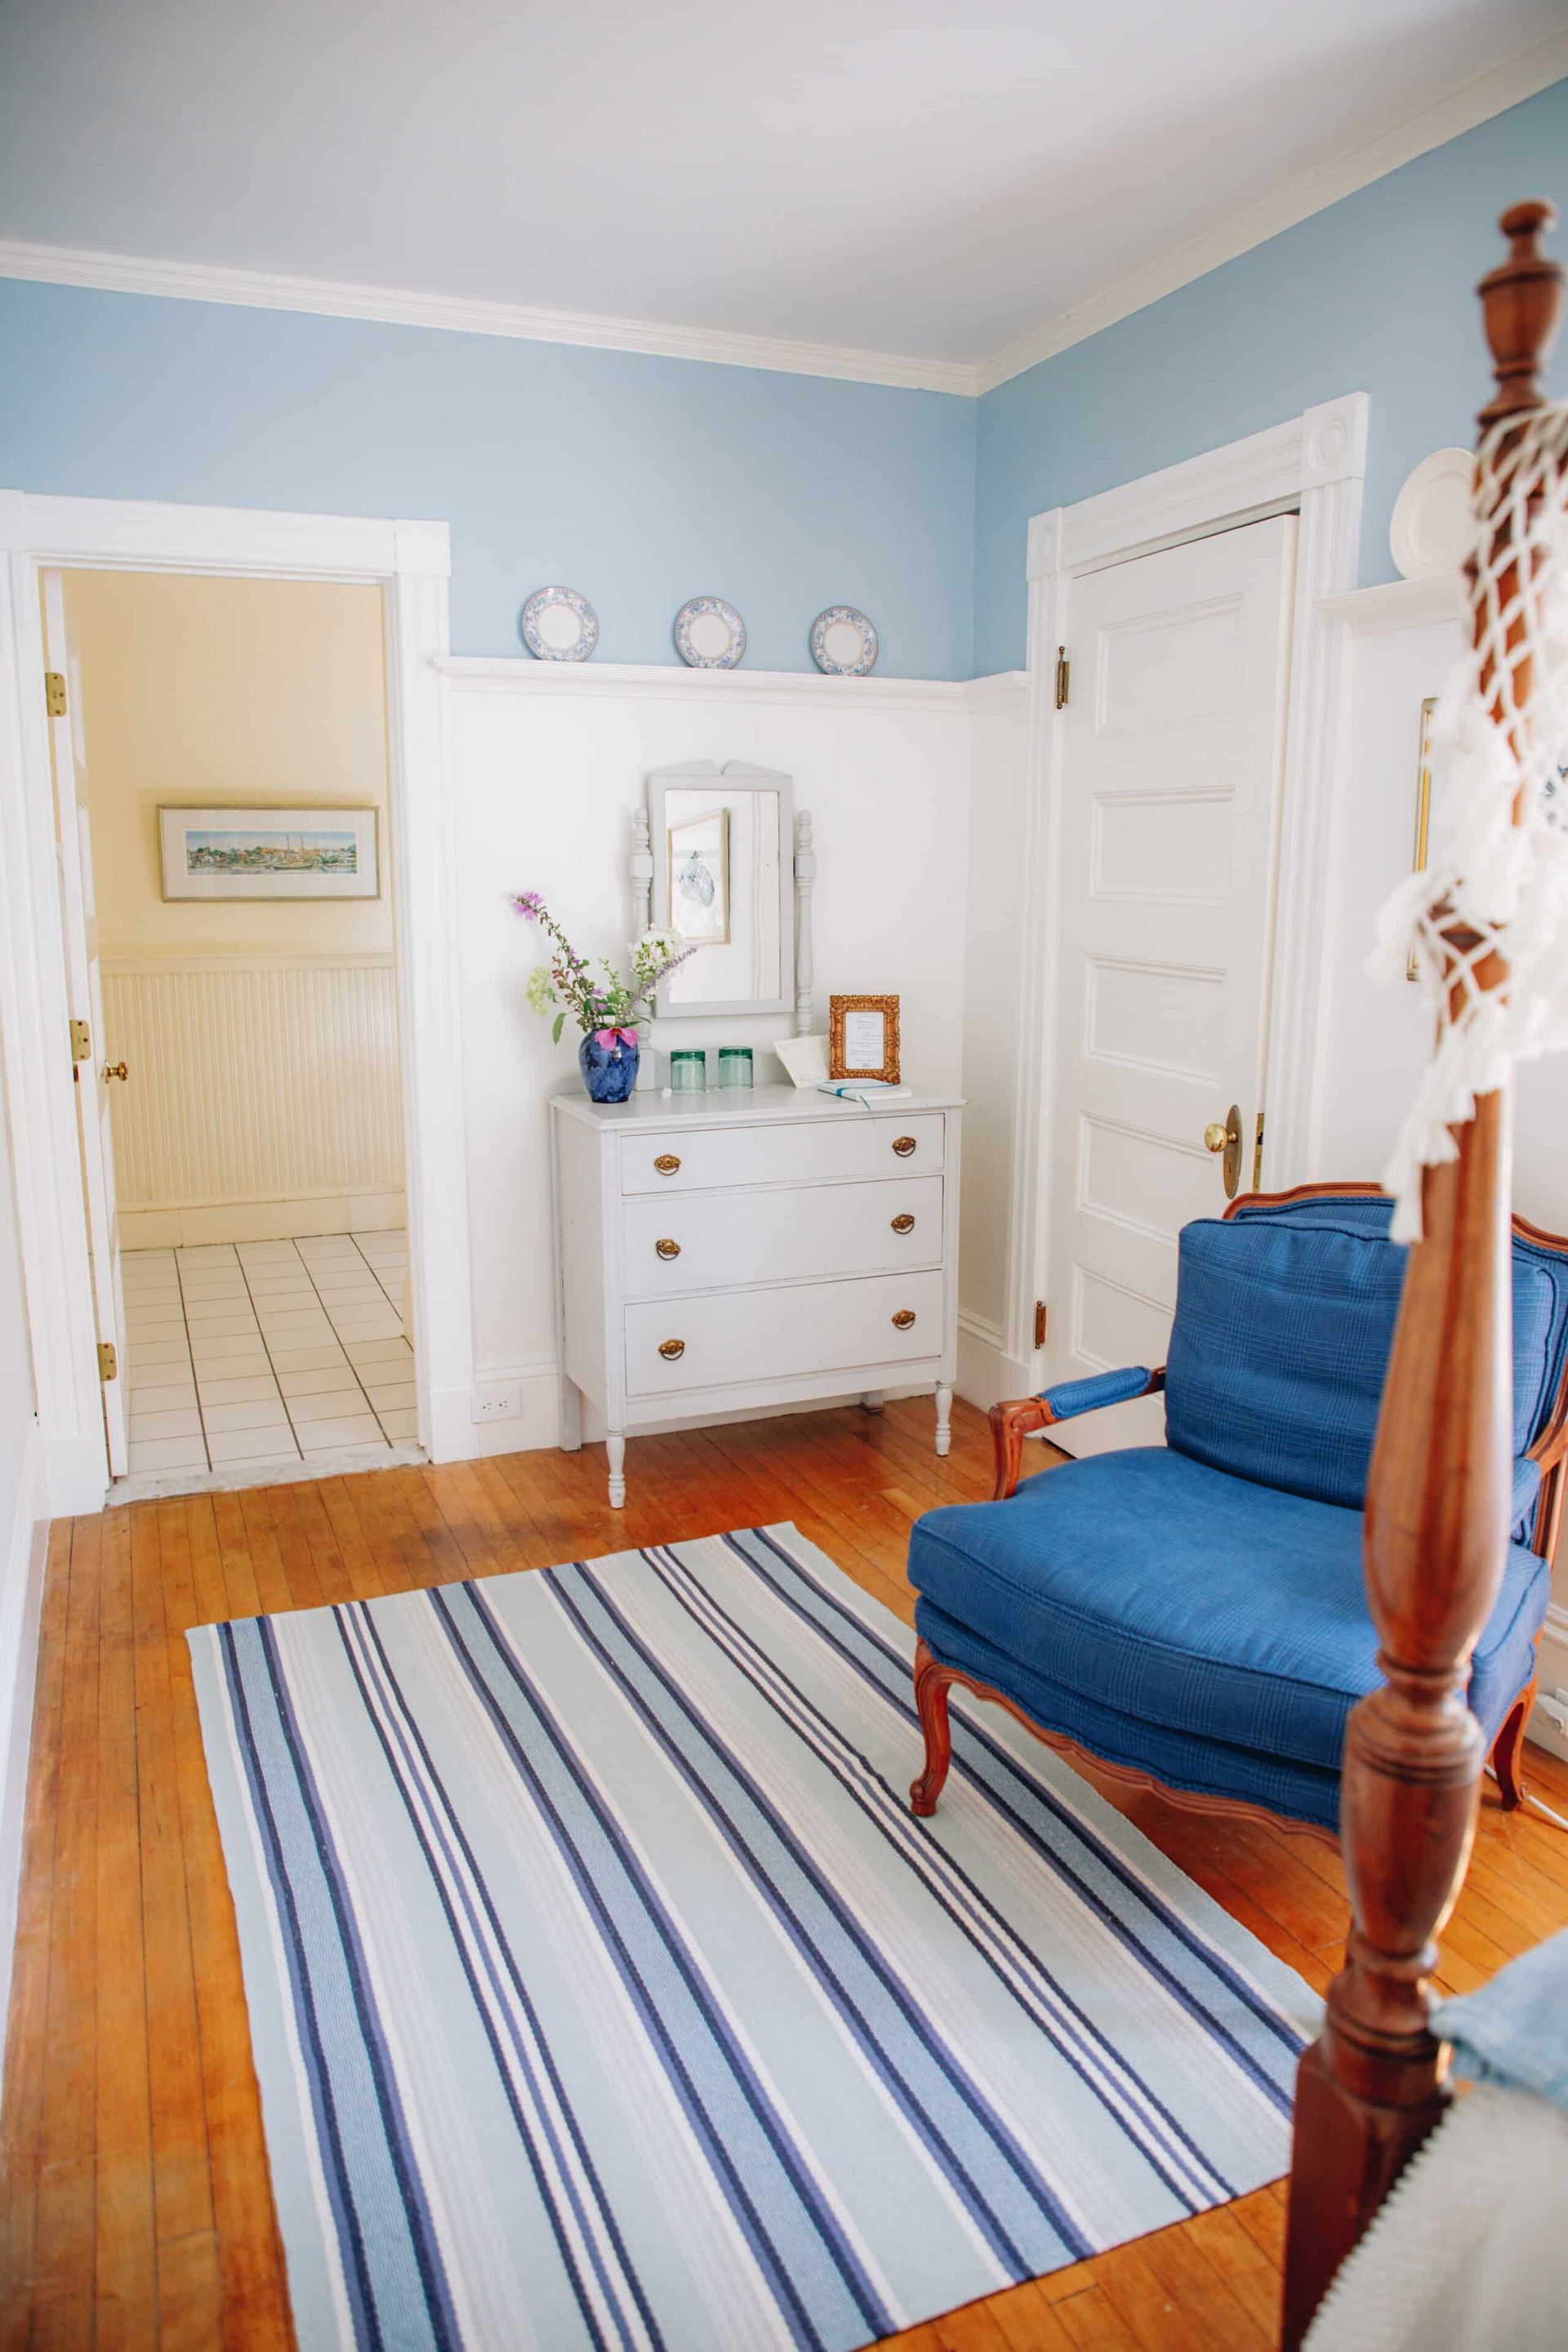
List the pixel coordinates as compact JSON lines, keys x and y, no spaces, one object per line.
{"x":605,"y":1010}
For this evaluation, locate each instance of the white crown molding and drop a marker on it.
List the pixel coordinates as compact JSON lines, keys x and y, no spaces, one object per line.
{"x":1477,"y":100}
{"x":1489,"y":94}
{"x":667,"y":682}
{"x":257,"y":289}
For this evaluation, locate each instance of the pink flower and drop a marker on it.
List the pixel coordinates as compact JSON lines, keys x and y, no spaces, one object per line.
{"x":529,"y":904}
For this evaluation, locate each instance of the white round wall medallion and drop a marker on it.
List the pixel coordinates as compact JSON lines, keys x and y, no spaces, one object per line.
{"x":1432,"y":520}
{"x":710,"y":634}
{"x":843,"y":641}
{"x":558,"y":625}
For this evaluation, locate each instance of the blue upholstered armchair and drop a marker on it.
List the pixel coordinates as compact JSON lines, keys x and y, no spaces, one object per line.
{"x":1194,"y":1615}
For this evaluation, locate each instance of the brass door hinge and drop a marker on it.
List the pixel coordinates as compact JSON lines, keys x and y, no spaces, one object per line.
{"x":55,"y":693}
{"x":82,"y":1042}
{"x":1257,"y":1155}
{"x":108,"y":1367}
{"x":1064,"y":677}
{"x":1039,"y":1322}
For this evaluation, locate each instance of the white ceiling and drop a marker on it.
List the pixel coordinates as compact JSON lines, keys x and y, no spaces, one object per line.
{"x":927,"y":177}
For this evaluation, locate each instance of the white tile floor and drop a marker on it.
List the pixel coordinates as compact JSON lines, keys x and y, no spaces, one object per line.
{"x":266,"y":1351}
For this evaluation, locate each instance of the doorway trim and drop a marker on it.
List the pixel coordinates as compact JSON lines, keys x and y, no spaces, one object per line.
{"x":1314,"y":465}
{"x":411,"y":563}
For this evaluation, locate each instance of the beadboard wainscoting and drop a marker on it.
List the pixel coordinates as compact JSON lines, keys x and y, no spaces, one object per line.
{"x":263,"y":1098}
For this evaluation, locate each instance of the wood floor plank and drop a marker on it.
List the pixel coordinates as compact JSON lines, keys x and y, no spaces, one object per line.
{"x":135,"y":2203}
{"x":21,"y":2120}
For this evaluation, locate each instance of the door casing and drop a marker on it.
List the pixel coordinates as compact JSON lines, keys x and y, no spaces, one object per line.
{"x":1313,"y":465}
{"x":411,"y":563}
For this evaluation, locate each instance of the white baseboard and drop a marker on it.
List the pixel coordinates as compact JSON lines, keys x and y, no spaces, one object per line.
{"x":987,"y":1373}
{"x":193,"y":1227}
{"x":21,"y":1600}
{"x":1554,"y":1679}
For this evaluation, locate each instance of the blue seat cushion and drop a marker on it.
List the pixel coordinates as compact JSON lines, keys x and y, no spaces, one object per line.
{"x":1280,"y":1346}
{"x":1178,"y":1596}
{"x":1178,"y":1759}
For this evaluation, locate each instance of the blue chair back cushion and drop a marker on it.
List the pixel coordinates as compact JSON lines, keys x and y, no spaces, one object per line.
{"x":1283,"y":1327}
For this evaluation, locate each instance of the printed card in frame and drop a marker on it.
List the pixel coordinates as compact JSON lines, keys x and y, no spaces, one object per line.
{"x":863,"y":1039}
{"x":269,"y":853}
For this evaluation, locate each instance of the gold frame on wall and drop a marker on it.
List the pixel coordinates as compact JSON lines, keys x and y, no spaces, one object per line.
{"x":841,"y":1006}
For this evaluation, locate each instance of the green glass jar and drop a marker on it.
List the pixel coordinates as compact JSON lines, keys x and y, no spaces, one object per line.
{"x":688,"y":1071}
{"x":734,"y":1066}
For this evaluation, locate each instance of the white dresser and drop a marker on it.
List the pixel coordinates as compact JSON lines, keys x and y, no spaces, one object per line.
{"x":722,"y":1252}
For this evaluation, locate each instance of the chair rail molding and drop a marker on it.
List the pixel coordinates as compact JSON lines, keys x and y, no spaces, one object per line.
{"x":410,"y":561}
{"x":1313,"y":465}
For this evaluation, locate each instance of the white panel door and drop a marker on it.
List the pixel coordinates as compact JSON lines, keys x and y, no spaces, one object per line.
{"x":1173,"y":738}
{"x":85,"y":986}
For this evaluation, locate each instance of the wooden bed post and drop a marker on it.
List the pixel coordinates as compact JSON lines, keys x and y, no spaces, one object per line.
{"x":1373,"y":2085}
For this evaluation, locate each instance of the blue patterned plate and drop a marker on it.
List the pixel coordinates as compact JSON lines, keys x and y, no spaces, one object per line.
{"x":558,"y":625}
{"x":710,"y":634}
{"x":843,"y":641}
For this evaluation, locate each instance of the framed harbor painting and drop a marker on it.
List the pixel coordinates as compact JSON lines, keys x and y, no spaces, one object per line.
{"x":269,"y":853}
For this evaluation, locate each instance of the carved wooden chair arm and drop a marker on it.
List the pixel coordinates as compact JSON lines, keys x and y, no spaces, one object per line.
{"x":1023,"y":1417}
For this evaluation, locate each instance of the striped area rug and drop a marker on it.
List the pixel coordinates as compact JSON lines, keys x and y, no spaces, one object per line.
{"x":604,"y":1993}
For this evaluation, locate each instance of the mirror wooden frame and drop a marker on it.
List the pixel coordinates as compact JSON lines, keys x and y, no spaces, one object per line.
{"x":650,"y":878}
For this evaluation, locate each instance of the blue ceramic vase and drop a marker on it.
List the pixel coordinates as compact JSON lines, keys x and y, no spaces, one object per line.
{"x":609,"y":1072}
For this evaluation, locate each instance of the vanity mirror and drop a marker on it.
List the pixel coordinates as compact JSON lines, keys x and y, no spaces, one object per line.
{"x":720,"y":858}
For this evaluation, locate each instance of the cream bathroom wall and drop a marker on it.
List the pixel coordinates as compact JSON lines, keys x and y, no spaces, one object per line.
{"x":260,"y":1035}
{"x":208,"y":690}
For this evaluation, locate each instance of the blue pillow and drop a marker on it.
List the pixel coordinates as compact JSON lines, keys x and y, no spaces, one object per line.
{"x":1282,"y":1334}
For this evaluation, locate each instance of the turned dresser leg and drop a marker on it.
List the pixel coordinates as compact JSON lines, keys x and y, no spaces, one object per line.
{"x":944,"y":1419}
{"x":615,"y":1448}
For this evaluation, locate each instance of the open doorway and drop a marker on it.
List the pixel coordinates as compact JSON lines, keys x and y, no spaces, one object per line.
{"x":221,"y":773}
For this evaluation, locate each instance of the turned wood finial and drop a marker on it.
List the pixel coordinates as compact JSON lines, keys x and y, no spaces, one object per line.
{"x":1522,"y":301}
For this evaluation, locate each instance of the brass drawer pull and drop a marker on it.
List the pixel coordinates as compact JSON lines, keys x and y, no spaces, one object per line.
{"x":667,"y":1164}
{"x":903,"y":1145}
{"x":671,"y":1349}
{"x":668,"y":1249}
{"x":904,"y":1224}
{"x":904,"y":1318}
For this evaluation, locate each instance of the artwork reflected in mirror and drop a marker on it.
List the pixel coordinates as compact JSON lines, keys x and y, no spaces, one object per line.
{"x":723,"y":883}
{"x":699,"y":864}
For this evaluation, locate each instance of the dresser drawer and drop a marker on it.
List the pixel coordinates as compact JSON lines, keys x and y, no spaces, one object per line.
{"x":694,"y":1159}
{"x":737,"y":1338}
{"x":799,"y":1235}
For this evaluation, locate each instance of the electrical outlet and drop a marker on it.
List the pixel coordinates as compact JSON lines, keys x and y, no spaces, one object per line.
{"x":495,"y":1401}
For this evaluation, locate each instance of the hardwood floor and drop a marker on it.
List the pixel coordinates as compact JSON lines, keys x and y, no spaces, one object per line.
{"x":134,"y":2201}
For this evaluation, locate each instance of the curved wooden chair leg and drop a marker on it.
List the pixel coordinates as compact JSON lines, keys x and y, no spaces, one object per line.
{"x":1508,"y":1750}
{"x":931,"y":1684}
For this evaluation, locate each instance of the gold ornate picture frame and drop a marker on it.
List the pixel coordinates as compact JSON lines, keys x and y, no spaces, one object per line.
{"x":863,"y":1039}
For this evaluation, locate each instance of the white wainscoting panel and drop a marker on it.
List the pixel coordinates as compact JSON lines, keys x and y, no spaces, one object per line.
{"x":253,"y":1079}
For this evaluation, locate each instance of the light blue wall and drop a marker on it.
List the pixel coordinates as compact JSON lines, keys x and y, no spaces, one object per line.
{"x":640,"y":481}
{"x":1369,"y":295}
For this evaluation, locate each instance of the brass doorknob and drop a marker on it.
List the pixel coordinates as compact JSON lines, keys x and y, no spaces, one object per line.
{"x":1224,"y":1136}
{"x":904,"y":1224}
{"x":667,"y":1164}
{"x":903,"y":1145}
{"x":668,"y":1249}
{"x":115,"y":1070}
{"x":904,"y":1318}
{"x":671,"y":1349}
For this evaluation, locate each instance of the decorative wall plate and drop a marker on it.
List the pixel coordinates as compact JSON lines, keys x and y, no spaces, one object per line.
{"x":1432,"y":524}
{"x":843,"y":641}
{"x":710,"y":634}
{"x":559,"y":626}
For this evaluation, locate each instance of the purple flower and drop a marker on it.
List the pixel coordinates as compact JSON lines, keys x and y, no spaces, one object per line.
{"x":529,"y":903}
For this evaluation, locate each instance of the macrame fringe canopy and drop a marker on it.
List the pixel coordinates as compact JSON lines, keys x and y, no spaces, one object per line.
{"x":1486,"y":921}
